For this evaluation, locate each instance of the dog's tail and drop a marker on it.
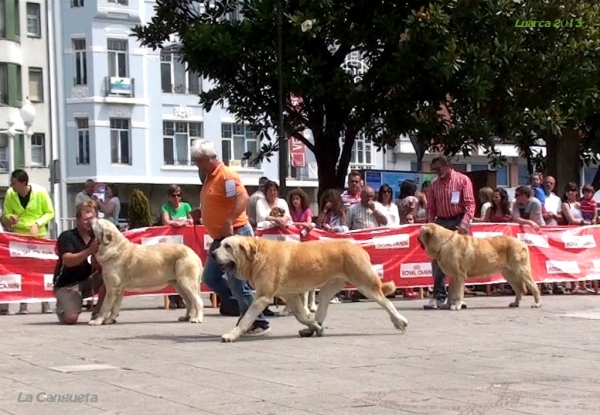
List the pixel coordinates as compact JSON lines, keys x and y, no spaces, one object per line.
{"x":388,"y":288}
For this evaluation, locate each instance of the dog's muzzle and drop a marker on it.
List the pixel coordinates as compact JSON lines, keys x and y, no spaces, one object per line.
{"x":229,"y":266}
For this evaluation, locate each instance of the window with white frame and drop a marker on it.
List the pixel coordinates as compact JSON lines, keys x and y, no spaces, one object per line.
{"x":38,"y":150}
{"x":120,"y":141}
{"x":34,"y":26}
{"x":121,"y":2}
{"x":4,"y":153}
{"x":117,"y":58}
{"x":83,"y":140}
{"x":177,"y":140}
{"x":237,"y":140}
{"x":36,"y":83}
{"x":76,"y":3}
{"x":174,"y":76}
{"x":362,"y":153}
{"x":80,"y":62}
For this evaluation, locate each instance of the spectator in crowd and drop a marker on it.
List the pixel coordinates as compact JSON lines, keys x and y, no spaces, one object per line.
{"x":86,"y":193}
{"x":450,"y":204}
{"x":272,"y":210}
{"x":500,"y":210}
{"x":422,"y":197}
{"x":299,"y":208}
{"x":385,"y":197}
{"x":254,"y":198}
{"x":527,"y":209}
{"x":410,"y":219}
{"x":111,"y":205}
{"x":553,"y":203}
{"x":332,"y":216}
{"x":176,"y":214}
{"x":589,"y":208}
{"x":571,"y":208}
{"x":28,"y":210}
{"x":536,"y":186}
{"x":74,"y":276}
{"x":485,"y":198}
{"x":351,"y":196}
{"x":367,"y":214}
{"x":223,"y":202}
{"x":408,"y":202}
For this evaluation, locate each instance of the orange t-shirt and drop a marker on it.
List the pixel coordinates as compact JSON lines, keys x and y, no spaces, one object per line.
{"x":217,"y":199}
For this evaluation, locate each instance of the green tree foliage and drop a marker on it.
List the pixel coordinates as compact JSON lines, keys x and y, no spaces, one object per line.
{"x":139,"y":215}
{"x":492,"y":79}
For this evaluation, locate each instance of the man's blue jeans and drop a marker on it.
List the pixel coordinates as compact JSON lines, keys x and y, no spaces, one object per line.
{"x":242,"y":292}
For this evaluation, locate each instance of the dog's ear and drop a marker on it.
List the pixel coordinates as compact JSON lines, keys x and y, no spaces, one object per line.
{"x":106,"y":237}
{"x":248,"y":249}
{"x":426,"y":231}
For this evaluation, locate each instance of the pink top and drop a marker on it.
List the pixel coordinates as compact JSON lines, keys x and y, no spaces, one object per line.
{"x":301,"y":216}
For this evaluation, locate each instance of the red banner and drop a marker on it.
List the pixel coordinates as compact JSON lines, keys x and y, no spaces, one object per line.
{"x":557,"y":254}
{"x":297,"y":152}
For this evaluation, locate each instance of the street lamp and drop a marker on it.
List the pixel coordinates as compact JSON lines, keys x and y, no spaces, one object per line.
{"x":28,"y":114}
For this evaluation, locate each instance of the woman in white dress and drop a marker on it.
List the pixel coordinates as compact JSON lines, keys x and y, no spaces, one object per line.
{"x":385,"y":197}
{"x":272,"y":211}
{"x":571,"y":210}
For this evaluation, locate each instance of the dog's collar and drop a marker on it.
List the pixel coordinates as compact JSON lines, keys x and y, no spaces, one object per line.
{"x":444,"y":244}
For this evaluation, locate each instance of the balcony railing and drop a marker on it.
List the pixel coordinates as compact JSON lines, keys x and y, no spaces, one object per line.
{"x":115,"y":86}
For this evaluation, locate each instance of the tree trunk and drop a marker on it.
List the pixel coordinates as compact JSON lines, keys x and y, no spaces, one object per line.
{"x":562,"y":155}
{"x":327,"y":153}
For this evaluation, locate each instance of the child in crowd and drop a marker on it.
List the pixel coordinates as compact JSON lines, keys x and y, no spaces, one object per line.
{"x":409,"y":218}
{"x":589,"y":209}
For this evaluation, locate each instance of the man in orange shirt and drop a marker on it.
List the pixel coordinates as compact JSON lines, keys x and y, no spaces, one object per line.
{"x":223,"y":202}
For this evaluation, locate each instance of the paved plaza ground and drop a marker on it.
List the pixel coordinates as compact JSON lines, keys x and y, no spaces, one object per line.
{"x":486,"y":360}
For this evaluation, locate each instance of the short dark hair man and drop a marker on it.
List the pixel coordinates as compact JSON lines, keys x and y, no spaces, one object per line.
{"x":74,"y":277}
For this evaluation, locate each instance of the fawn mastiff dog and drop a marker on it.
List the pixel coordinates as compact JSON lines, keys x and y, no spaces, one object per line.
{"x":290,"y":269}
{"x":127,"y":266}
{"x":461,"y":257}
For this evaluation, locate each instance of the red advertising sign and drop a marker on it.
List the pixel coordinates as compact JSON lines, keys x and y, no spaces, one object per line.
{"x":297,"y":152}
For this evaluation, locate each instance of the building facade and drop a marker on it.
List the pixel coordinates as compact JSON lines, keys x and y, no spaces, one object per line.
{"x":131,"y":113}
{"x":24,"y":73}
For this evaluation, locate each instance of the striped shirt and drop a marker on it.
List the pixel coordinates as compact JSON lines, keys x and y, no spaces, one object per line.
{"x":350,"y":200}
{"x":360,"y":217}
{"x":451,"y":197}
{"x":588,"y":208}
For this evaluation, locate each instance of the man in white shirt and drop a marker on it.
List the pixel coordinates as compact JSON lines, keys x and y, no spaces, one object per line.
{"x":367,"y":214}
{"x":553,"y":203}
{"x":254,"y":198}
{"x":85,"y":194}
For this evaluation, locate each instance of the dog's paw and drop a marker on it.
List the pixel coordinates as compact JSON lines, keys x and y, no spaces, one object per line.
{"x":536,"y":305}
{"x":110,"y":321}
{"x":513,"y":304}
{"x":319,"y":330}
{"x":228,"y":338}
{"x":195,"y":320}
{"x":456,"y":307}
{"x":95,"y":322}
{"x":400,"y":324}
{"x":313,"y":308}
{"x":307,"y":332}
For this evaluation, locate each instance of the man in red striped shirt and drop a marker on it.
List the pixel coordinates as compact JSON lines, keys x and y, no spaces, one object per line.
{"x":451,"y":204}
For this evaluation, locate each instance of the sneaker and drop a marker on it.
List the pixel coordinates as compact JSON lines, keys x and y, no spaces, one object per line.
{"x":335,"y":300}
{"x":434,"y":304}
{"x":257,"y":331}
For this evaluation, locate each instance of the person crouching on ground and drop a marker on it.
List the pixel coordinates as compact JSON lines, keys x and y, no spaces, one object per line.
{"x":74,"y":277}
